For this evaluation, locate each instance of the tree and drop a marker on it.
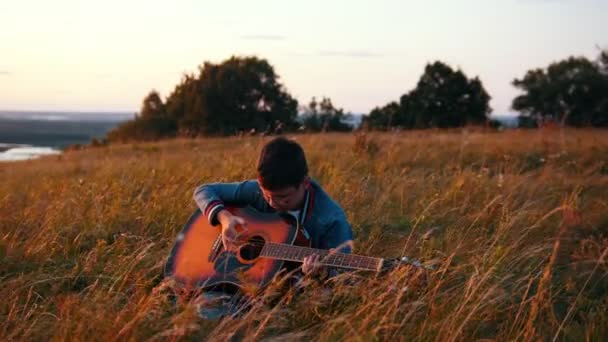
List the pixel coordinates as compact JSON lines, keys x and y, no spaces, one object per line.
{"x":384,"y":117}
{"x":572,"y":91}
{"x":151,"y":123}
{"x":324,"y":116}
{"x":152,"y":106}
{"x":310,"y":116}
{"x":241,"y":93}
{"x":442,"y":98}
{"x":603,"y":62}
{"x":446,"y":98}
{"x":238,"y":94}
{"x":331,"y":117}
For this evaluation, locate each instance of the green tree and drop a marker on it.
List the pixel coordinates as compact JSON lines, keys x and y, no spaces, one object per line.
{"x":310,"y":116}
{"x":572,"y":91}
{"x":443,"y":98}
{"x":331,"y":117}
{"x":152,"y":106}
{"x":603,"y":62}
{"x":237,"y":94}
{"x":384,"y":117}
{"x":151,"y":123}
{"x":446,"y":98}
{"x":324,"y":116}
{"x":240,"y":93}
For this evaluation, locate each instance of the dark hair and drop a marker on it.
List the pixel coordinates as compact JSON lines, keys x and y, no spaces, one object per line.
{"x":281,"y":164}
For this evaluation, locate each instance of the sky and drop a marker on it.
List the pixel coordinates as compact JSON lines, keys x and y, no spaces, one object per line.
{"x":107,"y":55}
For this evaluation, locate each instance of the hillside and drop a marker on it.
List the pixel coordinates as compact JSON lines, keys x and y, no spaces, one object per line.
{"x":516,"y":223}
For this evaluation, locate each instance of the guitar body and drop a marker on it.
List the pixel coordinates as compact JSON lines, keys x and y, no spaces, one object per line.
{"x":198,"y":259}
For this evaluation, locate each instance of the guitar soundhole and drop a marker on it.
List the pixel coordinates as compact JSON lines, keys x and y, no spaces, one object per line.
{"x":252,"y":248}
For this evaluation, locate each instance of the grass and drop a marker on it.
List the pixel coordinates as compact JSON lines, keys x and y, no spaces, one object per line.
{"x":519,"y":222}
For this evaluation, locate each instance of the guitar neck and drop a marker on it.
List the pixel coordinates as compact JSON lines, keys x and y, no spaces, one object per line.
{"x":286,"y":252}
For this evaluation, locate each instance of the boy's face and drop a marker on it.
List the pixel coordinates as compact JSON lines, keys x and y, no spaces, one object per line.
{"x":289,"y":198}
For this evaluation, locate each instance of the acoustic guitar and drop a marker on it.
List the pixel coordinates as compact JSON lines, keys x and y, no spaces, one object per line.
{"x":198,"y":259}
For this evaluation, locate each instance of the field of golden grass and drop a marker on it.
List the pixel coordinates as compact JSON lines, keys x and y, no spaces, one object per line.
{"x":516,"y":223}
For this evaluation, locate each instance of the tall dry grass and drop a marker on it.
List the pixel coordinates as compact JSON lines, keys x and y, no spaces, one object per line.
{"x":516,"y":223}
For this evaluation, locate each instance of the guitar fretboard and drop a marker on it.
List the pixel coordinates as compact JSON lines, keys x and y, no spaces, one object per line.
{"x":298,"y":253}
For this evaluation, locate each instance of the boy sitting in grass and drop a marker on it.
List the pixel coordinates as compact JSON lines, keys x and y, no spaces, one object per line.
{"x":282,"y":185}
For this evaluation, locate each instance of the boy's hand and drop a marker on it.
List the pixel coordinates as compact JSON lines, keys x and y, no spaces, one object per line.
{"x":311,"y":265}
{"x":229,"y":223}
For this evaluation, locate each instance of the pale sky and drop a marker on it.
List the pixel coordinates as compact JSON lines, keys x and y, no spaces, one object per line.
{"x":107,"y":55}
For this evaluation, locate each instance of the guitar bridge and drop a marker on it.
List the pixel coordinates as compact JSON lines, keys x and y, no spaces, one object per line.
{"x":216,"y":249}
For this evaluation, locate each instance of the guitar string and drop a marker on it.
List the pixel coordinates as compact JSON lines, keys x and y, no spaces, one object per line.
{"x":371,"y":262}
{"x":304,"y":249}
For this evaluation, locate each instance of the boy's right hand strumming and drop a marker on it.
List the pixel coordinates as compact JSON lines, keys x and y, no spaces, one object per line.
{"x":229,"y":223}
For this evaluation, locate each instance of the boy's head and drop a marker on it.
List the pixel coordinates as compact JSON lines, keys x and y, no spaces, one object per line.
{"x":283,"y":174}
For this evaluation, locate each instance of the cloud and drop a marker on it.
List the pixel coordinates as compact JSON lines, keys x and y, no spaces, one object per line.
{"x":263,"y":37}
{"x":349,"y":53}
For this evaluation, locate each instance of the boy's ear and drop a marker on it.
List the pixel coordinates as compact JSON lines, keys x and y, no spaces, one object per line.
{"x":306,"y":181}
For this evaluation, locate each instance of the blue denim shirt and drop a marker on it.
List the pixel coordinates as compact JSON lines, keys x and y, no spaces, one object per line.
{"x":322,"y":218}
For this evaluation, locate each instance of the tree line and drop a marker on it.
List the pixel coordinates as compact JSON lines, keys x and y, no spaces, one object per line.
{"x":243,"y":95}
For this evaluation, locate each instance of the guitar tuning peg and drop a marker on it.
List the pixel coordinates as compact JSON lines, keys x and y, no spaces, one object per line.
{"x":415,"y":263}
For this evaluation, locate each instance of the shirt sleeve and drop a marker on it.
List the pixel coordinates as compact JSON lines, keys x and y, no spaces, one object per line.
{"x":211,"y":198}
{"x":339,"y":235}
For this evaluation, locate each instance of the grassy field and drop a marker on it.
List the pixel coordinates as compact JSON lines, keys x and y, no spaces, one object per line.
{"x":516,"y":223}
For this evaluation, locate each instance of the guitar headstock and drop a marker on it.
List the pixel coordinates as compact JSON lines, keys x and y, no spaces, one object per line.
{"x":390,"y":264}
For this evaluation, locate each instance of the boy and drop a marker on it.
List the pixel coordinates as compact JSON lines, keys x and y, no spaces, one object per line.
{"x":282,"y":185}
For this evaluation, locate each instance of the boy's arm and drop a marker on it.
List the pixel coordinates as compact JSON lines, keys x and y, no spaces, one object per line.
{"x":211,"y":198}
{"x":339,"y":236}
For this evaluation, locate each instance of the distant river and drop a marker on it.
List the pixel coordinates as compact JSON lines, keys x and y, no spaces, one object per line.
{"x":29,"y":135}
{"x":24,"y":152}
